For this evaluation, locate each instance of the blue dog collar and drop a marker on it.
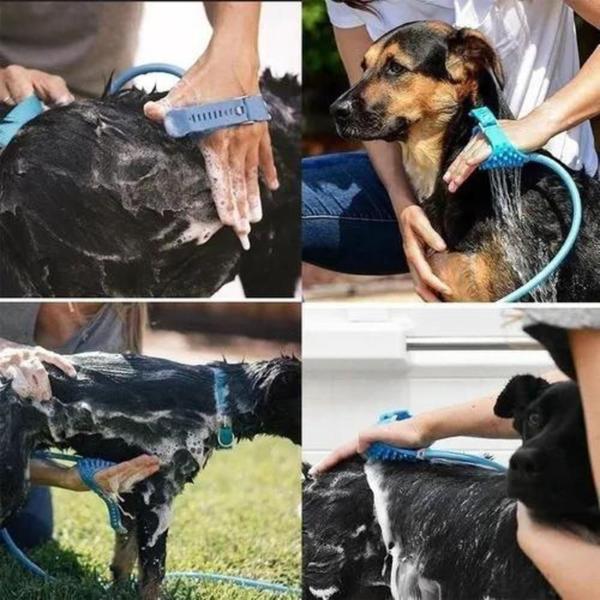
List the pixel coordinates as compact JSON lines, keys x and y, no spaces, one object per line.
{"x":203,"y":119}
{"x":225,"y":437}
{"x":387,"y":452}
{"x":22,"y":113}
{"x":504,"y":154}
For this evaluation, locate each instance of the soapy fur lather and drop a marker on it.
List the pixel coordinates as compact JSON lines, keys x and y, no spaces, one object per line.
{"x":97,"y":200}
{"x":122,"y":406}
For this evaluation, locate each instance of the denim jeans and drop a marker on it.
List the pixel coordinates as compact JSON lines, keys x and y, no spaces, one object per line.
{"x":348,"y":223}
{"x":33,"y":524}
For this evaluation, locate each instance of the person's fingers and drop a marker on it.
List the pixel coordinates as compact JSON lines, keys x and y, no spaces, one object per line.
{"x":240,"y":194}
{"x":252,"y":186}
{"x":157,"y":110}
{"x":415,"y":257}
{"x":41,"y":382}
{"x":215,"y":150}
{"x":5,"y":97}
{"x":427,"y":233}
{"x":339,"y":454}
{"x":62,"y":362}
{"x":266,"y":160}
{"x":52,"y":89}
{"x":18,"y":81}
{"x":421,"y":289}
{"x":18,"y":381}
{"x":122,"y":477}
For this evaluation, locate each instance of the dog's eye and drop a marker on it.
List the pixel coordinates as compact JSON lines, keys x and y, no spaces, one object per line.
{"x":534,"y":421}
{"x":394,"y":68}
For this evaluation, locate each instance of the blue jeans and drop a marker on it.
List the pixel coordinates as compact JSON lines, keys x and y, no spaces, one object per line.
{"x":348,"y":223}
{"x":33,"y":524}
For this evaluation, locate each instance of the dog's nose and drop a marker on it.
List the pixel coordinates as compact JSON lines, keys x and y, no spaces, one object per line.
{"x":341,"y":109}
{"x":527,"y":462}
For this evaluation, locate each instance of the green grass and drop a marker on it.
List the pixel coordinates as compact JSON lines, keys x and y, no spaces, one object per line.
{"x":240,"y":517}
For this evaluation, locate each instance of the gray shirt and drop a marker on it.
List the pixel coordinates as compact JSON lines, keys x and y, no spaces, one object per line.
{"x":105,"y":332}
{"x":550,"y":326}
{"x":83,"y":42}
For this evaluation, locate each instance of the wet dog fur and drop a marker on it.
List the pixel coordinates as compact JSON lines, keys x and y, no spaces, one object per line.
{"x":419,"y":83}
{"x":121,"y":406}
{"x":96,"y":200}
{"x":390,"y":531}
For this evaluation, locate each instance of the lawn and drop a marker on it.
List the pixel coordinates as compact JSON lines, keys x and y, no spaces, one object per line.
{"x":240,"y":517}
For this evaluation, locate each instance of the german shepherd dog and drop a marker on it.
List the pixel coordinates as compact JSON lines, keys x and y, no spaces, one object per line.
{"x":421,"y":531}
{"x":96,"y":200}
{"x":420,"y":81}
{"x":121,"y":406}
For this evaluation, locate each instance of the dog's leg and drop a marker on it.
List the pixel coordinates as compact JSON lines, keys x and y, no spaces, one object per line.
{"x":124,"y":555}
{"x":152,"y":530}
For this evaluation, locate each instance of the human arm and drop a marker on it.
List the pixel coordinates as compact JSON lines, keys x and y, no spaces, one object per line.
{"x":417,"y":232}
{"x":474,"y":419}
{"x":23,"y":365}
{"x":568,"y":561}
{"x":118,"y":478}
{"x":574,"y":103}
{"x":229,"y":69}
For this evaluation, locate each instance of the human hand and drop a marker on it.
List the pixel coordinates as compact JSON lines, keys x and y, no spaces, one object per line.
{"x":417,"y":236}
{"x":233,"y":156}
{"x":409,"y":433}
{"x":118,"y":479}
{"x":525,"y":134}
{"x":29,"y":378}
{"x":17,"y":83}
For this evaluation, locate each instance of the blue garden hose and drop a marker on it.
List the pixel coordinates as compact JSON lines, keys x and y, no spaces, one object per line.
{"x":505,"y":155}
{"x":388,"y":452}
{"x":128,"y":74}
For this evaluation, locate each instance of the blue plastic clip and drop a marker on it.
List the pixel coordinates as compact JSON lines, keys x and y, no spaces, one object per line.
{"x":22,"y":113}
{"x":504,"y":154}
{"x":203,"y":119}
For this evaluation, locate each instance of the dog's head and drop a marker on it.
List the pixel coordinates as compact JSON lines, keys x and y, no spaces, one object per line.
{"x":266,"y":397}
{"x":551,"y":472}
{"x":418,"y":75}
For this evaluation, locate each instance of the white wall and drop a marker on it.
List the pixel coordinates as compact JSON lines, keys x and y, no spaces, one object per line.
{"x":178,"y":32}
{"x":360,"y":362}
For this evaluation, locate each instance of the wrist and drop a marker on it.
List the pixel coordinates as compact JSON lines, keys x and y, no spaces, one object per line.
{"x":425,"y":425}
{"x":547,"y":119}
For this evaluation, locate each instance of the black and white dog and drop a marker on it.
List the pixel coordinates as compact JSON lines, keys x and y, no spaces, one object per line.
{"x":96,"y":200}
{"x":121,"y":406}
{"x":403,"y":531}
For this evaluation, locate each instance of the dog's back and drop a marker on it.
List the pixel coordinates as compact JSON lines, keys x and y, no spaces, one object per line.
{"x":449,"y":531}
{"x":96,"y":200}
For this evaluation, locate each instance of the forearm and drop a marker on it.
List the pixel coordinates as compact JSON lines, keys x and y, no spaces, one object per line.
{"x":574,"y":103}
{"x":235,"y":25}
{"x":586,"y":9}
{"x":474,"y":419}
{"x":44,"y":472}
{"x":567,"y":561}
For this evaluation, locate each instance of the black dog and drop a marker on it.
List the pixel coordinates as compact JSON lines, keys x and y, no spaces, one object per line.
{"x":442,"y":531}
{"x":121,"y":406}
{"x":420,"y":81}
{"x":96,"y":200}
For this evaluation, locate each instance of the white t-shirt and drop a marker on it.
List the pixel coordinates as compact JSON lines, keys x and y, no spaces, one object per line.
{"x":535,"y":40}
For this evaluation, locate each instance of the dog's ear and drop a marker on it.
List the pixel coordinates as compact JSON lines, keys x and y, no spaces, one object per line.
{"x":472,"y":60}
{"x":517,"y":394}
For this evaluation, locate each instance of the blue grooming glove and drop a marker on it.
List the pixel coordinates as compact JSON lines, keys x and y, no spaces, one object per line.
{"x":504,"y":154}
{"x":203,"y":119}
{"x":22,"y":113}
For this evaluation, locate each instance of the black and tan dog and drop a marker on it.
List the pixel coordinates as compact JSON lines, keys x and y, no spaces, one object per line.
{"x":96,"y":200}
{"x":121,"y":406}
{"x":420,"y":81}
{"x":406,"y":531}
